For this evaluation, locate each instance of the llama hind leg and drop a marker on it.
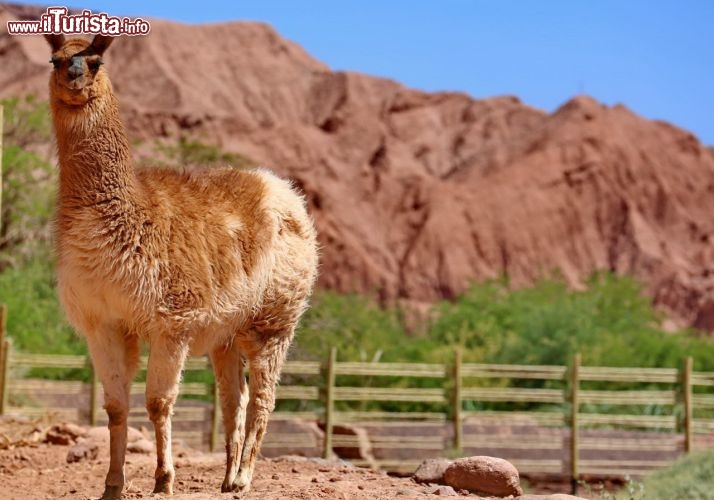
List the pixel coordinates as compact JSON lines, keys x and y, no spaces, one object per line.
{"x":115,"y":358}
{"x":265,"y":366}
{"x":163,"y":375}
{"x":228,"y":369}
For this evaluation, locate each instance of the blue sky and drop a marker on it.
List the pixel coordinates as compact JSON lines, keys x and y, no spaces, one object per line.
{"x":656,"y":57}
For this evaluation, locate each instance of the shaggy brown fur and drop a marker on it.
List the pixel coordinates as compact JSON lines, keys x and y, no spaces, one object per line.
{"x":219,"y":262}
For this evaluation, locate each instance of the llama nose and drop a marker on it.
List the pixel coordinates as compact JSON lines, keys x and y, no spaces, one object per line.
{"x":76,"y":70}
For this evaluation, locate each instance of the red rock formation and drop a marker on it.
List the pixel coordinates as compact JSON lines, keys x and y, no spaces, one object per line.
{"x":415,"y":194}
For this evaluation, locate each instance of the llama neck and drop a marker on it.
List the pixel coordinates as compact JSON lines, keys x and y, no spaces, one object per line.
{"x":94,"y":155}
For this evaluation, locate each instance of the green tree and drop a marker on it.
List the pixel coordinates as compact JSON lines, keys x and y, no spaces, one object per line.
{"x":28,"y":181}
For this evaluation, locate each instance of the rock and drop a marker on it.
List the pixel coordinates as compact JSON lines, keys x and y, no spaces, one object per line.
{"x":407,"y":493}
{"x":134,"y":434}
{"x":431,"y":470}
{"x":485,"y":475}
{"x":55,"y":438}
{"x":444,"y":491}
{"x":74,"y":430}
{"x":98,"y":438}
{"x":64,"y":434}
{"x":98,"y":434}
{"x":557,"y":496}
{"x":142,"y":445}
{"x":84,"y":449}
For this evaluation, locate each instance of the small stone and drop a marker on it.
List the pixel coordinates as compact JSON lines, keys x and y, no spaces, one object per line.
{"x":141,"y":445}
{"x":360,"y":486}
{"x":84,"y":449}
{"x":314,"y":480}
{"x":444,"y":491}
{"x":334,"y":479}
{"x":431,"y":470}
{"x":98,"y":434}
{"x":295,"y":470}
{"x":54,"y":437}
{"x":407,"y":493}
{"x":134,"y":434}
{"x":275,"y":477}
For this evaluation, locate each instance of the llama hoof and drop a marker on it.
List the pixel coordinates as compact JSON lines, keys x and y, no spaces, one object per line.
{"x":164,"y":484}
{"x":234,"y":487}
{"x":112,"y":493}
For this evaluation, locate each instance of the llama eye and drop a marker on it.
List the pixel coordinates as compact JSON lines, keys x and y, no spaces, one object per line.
{"x":55,"y":62}
{"x":94,"y":64}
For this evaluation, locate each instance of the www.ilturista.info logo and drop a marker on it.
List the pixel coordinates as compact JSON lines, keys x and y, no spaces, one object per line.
{"x":56,"y":21}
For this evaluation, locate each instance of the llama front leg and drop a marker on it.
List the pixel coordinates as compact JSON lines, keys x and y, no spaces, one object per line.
{"x":163,"y":375}
{"x":228,"y":369}
{"x":265,"y":366}
{"x":115,"y":358}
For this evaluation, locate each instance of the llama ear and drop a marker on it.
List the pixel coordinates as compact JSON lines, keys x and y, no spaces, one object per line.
{"x":101,"y":43}
{"x":55,"y":41}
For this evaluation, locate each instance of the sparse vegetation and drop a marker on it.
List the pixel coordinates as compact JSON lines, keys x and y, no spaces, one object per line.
{"x":190,"y":151}
{"x":690,"y":478}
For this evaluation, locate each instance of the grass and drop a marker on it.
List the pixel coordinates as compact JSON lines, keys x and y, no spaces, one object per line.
{"x":35,"y":321}
{"x":689,"y":478}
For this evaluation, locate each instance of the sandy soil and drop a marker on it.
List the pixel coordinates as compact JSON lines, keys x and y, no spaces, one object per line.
{"x":41,"y":472}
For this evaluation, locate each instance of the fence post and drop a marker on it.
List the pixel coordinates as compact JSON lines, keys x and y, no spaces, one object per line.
{"x":5,"y":363}
{"x":214,"y":415}
{"x":574,"y":431}
{"x":329,"y":402}
{"x":3,"y":324}
{"x":688,"y":409}
{"x":93,"y":395}
{"x":458,"y":421}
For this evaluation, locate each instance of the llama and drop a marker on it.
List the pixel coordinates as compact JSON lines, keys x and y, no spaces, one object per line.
{"x":220,"y":262}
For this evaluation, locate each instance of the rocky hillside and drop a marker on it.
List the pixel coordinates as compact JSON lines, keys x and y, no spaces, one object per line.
{"x":418,"y":194}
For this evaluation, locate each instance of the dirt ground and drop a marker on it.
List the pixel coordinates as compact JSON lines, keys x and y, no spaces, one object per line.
{"x":41,"y":472}
{"x":34,"y":465}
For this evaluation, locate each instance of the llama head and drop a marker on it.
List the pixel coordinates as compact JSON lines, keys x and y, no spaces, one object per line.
{"x":78,"y":76}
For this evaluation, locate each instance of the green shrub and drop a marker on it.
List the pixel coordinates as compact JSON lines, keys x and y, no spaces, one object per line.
{"x":690,"y":478}
{"x":35,"y":321}
{"x":28,"y":181}
{"x":611,"y":322}
{"x":359,"y":329}
{"x":189,"y":151}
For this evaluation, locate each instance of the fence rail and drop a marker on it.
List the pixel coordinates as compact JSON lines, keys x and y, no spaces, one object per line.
{"x":420,"y":409}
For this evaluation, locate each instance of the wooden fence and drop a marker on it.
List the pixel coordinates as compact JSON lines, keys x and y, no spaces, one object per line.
{"x":566,"y":420}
